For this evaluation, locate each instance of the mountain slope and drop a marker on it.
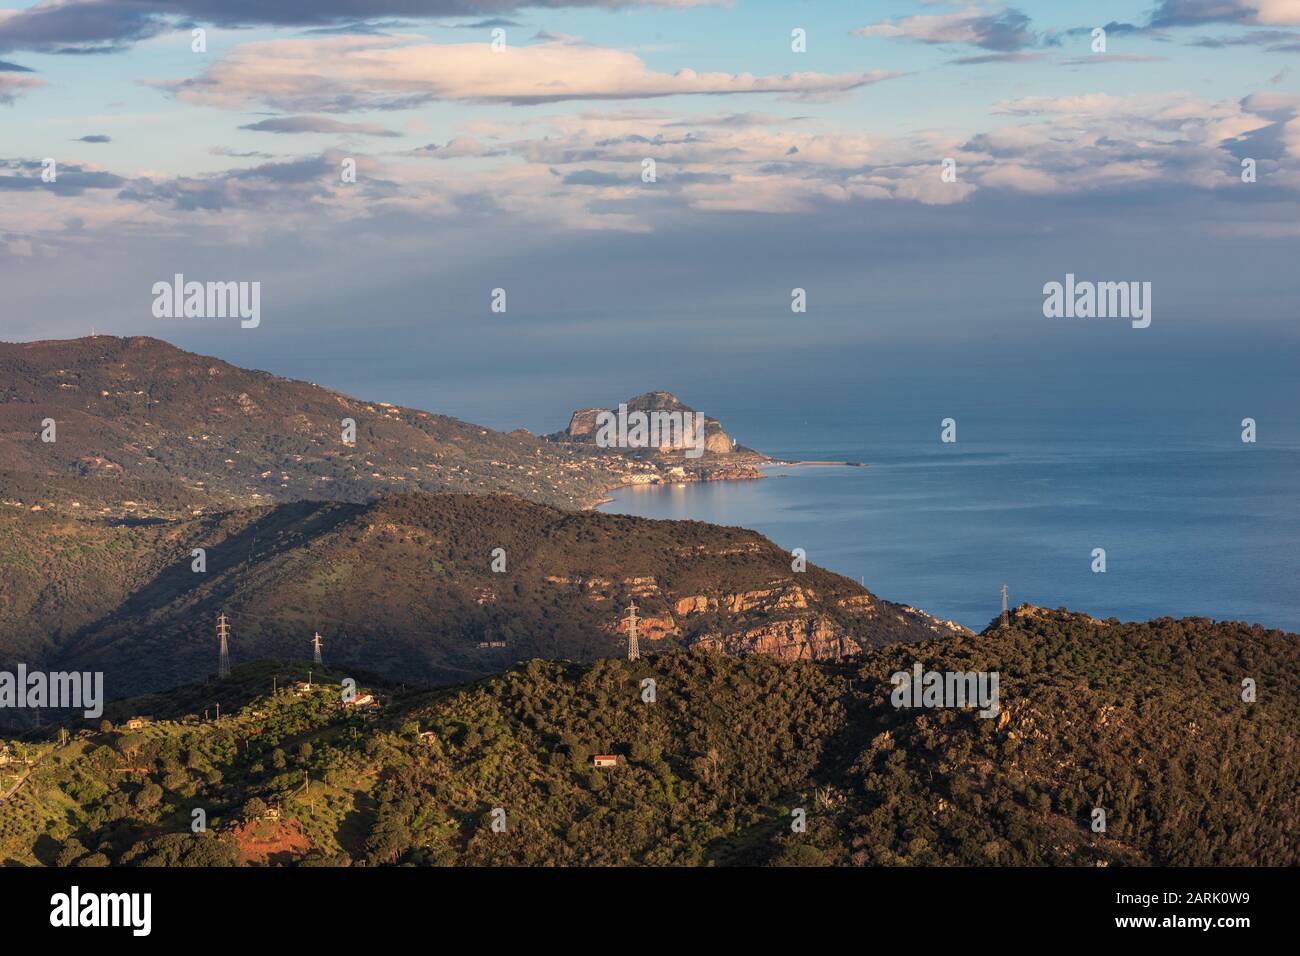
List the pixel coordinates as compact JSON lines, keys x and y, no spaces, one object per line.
{"x":142,"y":421}
{"x":405,"y":586}
{"x":1142,"y":720}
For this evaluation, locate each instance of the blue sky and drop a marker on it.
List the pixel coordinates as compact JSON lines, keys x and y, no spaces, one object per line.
{"x":776,"y":170}
{"x":106,"y":94}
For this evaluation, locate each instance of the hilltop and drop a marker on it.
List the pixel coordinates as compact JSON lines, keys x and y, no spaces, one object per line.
{"x":677,"y":443}
{"x":1143,"y":720}
{"x":585,"y":425}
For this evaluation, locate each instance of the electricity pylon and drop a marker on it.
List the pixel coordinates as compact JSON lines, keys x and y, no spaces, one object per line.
{"x":223,"y":631}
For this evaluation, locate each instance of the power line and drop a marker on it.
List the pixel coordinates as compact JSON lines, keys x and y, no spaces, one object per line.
{"x":223,"y":631}
{"x":633,"y":650}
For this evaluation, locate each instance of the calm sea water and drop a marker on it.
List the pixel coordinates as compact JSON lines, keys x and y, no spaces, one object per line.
{"x":1071,"y":436}
{"x":1193,"y":521}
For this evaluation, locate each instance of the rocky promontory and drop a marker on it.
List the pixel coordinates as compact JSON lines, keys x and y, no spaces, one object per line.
{"x":661,"y":408}
{"x":661,"y":440}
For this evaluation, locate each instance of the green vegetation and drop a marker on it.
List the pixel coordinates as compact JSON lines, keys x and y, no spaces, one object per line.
{"x":402,"y":586}
{"x":1143,"y":720}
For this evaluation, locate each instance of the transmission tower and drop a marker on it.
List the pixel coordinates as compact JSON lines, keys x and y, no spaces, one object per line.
{"x":315,"y":643}
{"x":223,"y":631}
{"x":1004,"y":605}
{"x":633,"y":651}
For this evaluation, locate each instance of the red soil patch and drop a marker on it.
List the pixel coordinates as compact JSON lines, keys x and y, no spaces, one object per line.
{"x":268,"y":842}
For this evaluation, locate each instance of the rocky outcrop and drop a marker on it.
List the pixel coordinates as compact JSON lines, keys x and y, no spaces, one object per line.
{"x":695,"y":604}
{"x":939,"y":626}
{"x":651,"y":627}
{"x":791,"y":597}
{"x":585,"y":426}
{"x":801,"y":638}
{"x":1027,"y":614}
{"x":785,"y":619}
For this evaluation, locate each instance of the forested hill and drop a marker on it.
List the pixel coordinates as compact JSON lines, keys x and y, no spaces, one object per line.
{"x":435,"y":589}
{"x":1144,"y":721}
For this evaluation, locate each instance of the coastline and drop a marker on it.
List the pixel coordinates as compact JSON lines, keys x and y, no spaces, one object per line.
{"x":752,"y":470}
{"x":819,"y":464}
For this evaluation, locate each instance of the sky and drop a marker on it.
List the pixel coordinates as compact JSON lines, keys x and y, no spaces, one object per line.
{"x":778,"y":165}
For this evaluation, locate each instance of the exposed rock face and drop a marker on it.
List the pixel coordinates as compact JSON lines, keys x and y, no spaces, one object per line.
{"x":799,"y":638}
{"x":696,"y":604}
{"x":651,"y":628}
{"x":584,"y":425}
{"x":784,"y":619}
{"x":790,"y":597}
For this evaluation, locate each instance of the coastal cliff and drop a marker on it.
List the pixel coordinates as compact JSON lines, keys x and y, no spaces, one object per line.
{"x":660,"y":440}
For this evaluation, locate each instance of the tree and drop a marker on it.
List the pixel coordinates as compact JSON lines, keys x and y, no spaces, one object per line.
{"x":130,"y":745}
{"x":150,"y":796}
{"x":70,"y":852}
{"x":388,"y":840}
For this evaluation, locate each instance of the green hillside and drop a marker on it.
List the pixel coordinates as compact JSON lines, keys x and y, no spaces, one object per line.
{"x":1145,"y":721}
{"x":405,"y":587}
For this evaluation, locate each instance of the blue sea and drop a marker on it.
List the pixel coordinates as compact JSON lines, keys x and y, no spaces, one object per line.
{"x":1070,"y":437}
{"x":1193,"y":521}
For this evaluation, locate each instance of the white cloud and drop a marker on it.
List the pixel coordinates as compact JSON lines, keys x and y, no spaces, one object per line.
{"x":571,"y":172}
{"x":364,"y":72}
{"x":14,"y":85}
{"x":1291,"y":137}
{"x":1258,"y":12}
{"x":939,"y":28}
{"x":1161,"y":115}
{"x":1002,"y":29}
{"x":1274,"y":12}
